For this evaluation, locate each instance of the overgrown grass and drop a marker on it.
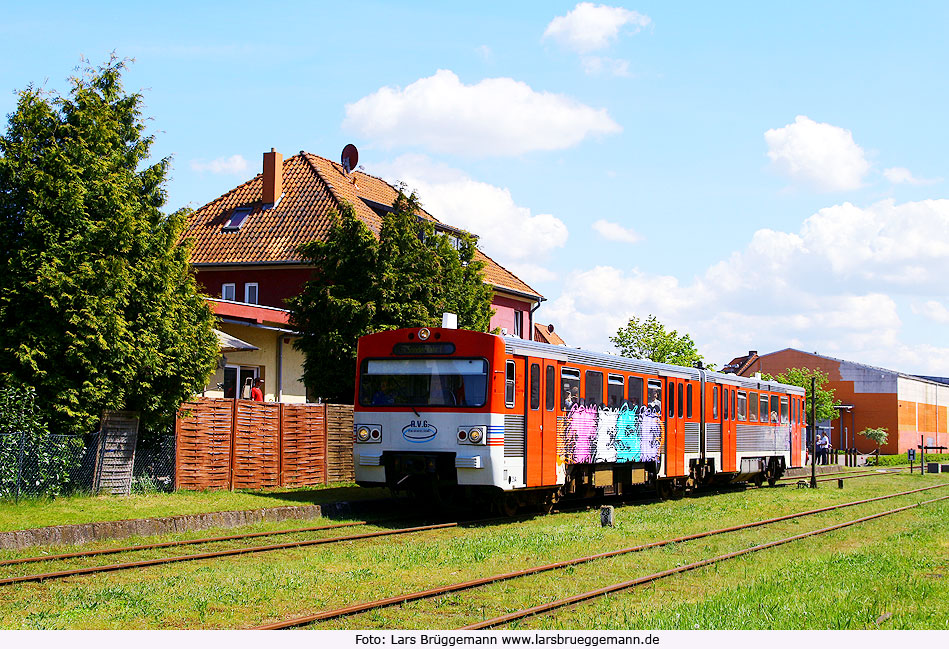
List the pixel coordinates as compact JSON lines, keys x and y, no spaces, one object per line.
{"x":85,"y":508}
{"x":896,"y":566}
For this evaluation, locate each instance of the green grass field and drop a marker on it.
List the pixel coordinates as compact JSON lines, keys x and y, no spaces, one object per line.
{"x":891,"y":573}
{"x":41,"y":512}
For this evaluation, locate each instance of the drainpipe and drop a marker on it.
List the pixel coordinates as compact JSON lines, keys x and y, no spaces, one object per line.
{"x":279,"y":391}
{"x":530,"y":319}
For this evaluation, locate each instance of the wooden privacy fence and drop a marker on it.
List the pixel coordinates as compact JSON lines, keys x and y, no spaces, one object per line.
{"x":240,"y":444}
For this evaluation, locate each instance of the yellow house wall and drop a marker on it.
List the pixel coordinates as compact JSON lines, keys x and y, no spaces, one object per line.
{"x":291,"y":388}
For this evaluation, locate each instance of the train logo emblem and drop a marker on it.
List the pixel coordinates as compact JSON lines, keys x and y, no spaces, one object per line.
{"x":419,"y":431}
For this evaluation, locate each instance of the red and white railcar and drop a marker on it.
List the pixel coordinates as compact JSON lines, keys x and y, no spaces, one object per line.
{"x":449,"y":411}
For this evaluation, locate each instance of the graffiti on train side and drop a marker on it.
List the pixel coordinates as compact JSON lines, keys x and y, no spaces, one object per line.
{"x":603,"y":434}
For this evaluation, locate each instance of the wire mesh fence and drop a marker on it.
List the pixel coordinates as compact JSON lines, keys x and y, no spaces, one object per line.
{"x":51,"y":465}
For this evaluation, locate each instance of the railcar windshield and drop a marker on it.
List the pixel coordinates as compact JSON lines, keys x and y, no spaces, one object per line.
{"x":423,"y":382}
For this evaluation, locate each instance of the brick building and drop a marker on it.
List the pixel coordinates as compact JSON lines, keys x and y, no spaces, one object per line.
{"x":910,"y":407}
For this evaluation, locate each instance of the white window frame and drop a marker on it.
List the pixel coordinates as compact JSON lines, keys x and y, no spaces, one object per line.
{"x":518,"y":323}
{"x":247,"y":293}
{"x":233,"y":288}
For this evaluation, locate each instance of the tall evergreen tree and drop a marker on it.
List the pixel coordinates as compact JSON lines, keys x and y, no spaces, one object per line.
{"x":407,"y":277}
{"x":98,"y":307}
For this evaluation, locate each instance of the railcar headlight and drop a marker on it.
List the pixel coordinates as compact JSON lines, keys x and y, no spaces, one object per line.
{"x":362,"y":434}
{"x":423,"y":334}
{"x":462,"y":435}
{"x":475,"y":435}
{"x":375,"y":434}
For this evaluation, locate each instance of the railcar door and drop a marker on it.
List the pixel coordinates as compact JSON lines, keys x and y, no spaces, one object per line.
{"x":540,"y":454}
{"x":675,"y":427}
{"x":729,"y":438}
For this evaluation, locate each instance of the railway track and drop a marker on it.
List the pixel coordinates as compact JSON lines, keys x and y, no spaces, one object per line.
{"x":173,"y":544}
{"x":632,"y":583}
{"x":356,"y":609}
{"x":60,"y":574}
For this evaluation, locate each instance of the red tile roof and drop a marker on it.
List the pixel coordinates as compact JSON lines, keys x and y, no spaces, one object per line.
{"x":312,"y":187}
{"x":544,"y":333}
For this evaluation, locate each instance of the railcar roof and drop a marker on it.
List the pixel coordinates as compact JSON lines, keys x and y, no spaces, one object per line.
{"x":621,"y":363}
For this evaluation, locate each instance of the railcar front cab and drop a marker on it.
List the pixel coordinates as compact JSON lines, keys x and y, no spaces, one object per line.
{"x":422,"y":420}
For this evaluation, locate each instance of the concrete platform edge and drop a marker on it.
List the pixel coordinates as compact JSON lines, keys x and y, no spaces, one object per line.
{"x":88,"y":532}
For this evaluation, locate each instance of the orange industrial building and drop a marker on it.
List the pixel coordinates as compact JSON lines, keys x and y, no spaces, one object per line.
{"x":913,"y":409}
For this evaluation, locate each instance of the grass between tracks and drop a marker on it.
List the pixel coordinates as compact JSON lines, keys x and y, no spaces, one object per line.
{"x":41,"y":512}
{"x":891,"y":573}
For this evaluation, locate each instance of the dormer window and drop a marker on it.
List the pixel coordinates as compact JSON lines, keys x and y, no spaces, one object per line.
{"x":238,"y":216}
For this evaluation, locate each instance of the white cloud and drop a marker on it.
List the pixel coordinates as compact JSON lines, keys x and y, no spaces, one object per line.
{"x":508,"y":232}
{"x":235,"y":164}
{"x":821,"y":155}
{"x":596,"y":65}
{"x":589,"y":27}
{"x":898,"y":175}
{"x":494,"y":117}
{"x":616,"y":232}
{"x":486,"y":53}
{"x":829,"y":287}
{"x":932,"y":310}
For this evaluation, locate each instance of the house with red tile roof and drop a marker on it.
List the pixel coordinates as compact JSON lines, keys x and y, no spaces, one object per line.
{"x":244,"y":252}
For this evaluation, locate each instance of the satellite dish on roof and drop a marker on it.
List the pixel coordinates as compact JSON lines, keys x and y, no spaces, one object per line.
{"x":350,"y":157}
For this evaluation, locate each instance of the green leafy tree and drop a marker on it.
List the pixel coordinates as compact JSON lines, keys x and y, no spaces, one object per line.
{"x":648,"y":339}
{"x":407,"y":277}
{"x":98,"y":307}
{"x":801,"y":377}
{"x":876,"y":435}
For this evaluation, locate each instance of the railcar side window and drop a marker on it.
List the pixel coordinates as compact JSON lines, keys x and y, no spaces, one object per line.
{"x":593,"y":391}
{"x":509,"y":385}
{"x":654,"y":396}
{"x":614,"y":390}
{"x":733,"y":404}
{"x":724,"y":404}
{"x":671,"y":399}
{"x":763,"y":413}
{"x":635,"y":387}
{"x":688,"y":401}
{"x":715,"y":402}
{"x":784,"y":410}
{"x":752,"y":406}
{"x":535,"y":386}
{"x":570,"y":396}
{"x":742,"y":406}
{"x":774,"y":408}
{"x":679,"y":413}
{"x":550,"y":388}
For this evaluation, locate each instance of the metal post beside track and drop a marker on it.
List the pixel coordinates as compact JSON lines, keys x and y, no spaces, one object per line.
{"x":813,"y":433}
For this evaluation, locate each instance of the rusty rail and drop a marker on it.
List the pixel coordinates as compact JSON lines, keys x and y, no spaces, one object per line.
{"x":575,"y":599}
{"x":172,"y":544}
{"x":442,"y":590}
{"x":221,"y":553}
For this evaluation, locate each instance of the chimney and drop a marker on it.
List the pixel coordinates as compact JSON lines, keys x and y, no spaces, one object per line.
{"x":273,"y":176}
{"x":752,"y":353}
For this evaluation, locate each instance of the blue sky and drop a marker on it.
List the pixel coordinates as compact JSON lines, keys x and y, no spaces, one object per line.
{"x":759,"y":175}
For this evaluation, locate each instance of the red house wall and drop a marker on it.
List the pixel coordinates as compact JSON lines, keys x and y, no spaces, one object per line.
{"x":274,"y":285}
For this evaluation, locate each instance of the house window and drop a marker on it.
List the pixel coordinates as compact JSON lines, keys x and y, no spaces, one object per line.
{"x":238,"y":380}
{"x":238,"y":216}
{"x":250,"y":293}
{"x":229,"y":292}
{"x":517,"y":323}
